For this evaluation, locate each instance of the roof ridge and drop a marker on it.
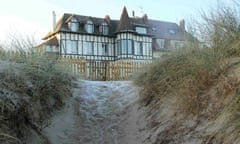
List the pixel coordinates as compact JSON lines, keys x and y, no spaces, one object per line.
{"x":162,"y":21}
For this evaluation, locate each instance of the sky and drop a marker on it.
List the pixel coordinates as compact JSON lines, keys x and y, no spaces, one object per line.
{"x":34,"y":17}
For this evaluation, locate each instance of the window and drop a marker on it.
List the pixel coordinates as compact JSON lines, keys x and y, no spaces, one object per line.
{"x":129,"y":48}
{"x":88,"y":48}
{"x":74,"y":25}
{"x":178,"y":44}
{"x":172,"y":31}
{"x":154,"y":29}
{"x":125,"y":46}
{"x":89,"y":27}
{"x":71,"y":47}
{"x":160,"y":43}
{"x":80,"y":47}
{"x":63,"y":47}
{"x":138,"y":48}
{"x":48,"y":48}
{"x":104,"y":49}
{"x":141,"y":30}
{"x":54,"y":49}
{"x":74,"y":47}
{"x":118,"y":47}
{"x":104,"y":29}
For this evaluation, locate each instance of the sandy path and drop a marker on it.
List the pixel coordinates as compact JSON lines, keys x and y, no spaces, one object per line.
{"x":99,"y":113}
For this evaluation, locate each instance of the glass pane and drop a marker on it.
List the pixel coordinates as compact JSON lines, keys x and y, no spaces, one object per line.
{"x":129,"y":46}
{"x":69,"y":47}
{"x":138,"y":48}
{"x":89,"y":48}
{"x":89,"y":27}
{"x":79,"y":47}
{"x":74,"y":26}
{"x":124,"y":46}
{"x":85,"y":47}
{"x":74,"y":47}
{"x":48,"y":48}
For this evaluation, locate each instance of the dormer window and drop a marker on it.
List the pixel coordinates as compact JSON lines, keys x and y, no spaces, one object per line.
{"x":172,"y":31}
{"x":104,"y":29}
{"x":141,"y":30}
{"x":74,"y":25}
{"x":154,"y":29}
{"x":89,"y":27}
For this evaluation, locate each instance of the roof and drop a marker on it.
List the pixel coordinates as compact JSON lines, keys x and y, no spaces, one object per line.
{"x":51,"y":42}
{"x":165,"y":30}
{"x":125,"y":22}
{"x":156,"y":28}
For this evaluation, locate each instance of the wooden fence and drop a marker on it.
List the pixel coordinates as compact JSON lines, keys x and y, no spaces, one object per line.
{"x":104,"y":70}
{"x":92,"y":70}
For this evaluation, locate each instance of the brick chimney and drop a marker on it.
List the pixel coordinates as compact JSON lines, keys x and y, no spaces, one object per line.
{"x":182,"y":24}
{"x":107,"y":18}
{"x":145,"y":18}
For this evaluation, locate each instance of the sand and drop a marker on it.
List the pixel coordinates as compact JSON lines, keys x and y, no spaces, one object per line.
{"x":100,"y":113}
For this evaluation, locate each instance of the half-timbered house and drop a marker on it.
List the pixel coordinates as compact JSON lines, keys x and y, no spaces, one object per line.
{"x":105,"y":39}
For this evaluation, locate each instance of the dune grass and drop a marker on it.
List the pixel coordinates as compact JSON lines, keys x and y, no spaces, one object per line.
{"x":32,"y":87}
{"x":200,"y":79}
{"x":201,"y":83}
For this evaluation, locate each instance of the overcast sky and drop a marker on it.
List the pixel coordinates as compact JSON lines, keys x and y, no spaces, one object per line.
{"x":34,"y":17}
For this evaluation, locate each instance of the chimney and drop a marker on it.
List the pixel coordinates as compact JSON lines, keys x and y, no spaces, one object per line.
{"x":54,"y":20}
{"x":182,"y":24}
{"x":145,"y":18}
{"x":107,"y":18}
{"x":133,"y":13}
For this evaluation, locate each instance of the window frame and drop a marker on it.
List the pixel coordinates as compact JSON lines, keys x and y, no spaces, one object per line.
{"x":89,"y":27}
{"x":105,"y":48}
{"x":125,"y":46}
{"x":90,"y":48}
{"x":104,"y":28}
{"x":141,"y":30}
{"x":160,"y":43}
{"x":138,"y":48}
{"x":71,"y":46}
{"x":74,"y":46}
{"x":74,"y":25}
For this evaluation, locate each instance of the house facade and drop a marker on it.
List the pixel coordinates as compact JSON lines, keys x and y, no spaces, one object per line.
{"x":104,"y":39}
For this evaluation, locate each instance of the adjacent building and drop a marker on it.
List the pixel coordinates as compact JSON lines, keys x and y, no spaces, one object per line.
{"x":105,"y":39}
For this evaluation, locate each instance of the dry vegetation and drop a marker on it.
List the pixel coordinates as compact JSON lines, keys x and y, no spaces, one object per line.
{"x":198,"y":87}
{"x":31,"y":88}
